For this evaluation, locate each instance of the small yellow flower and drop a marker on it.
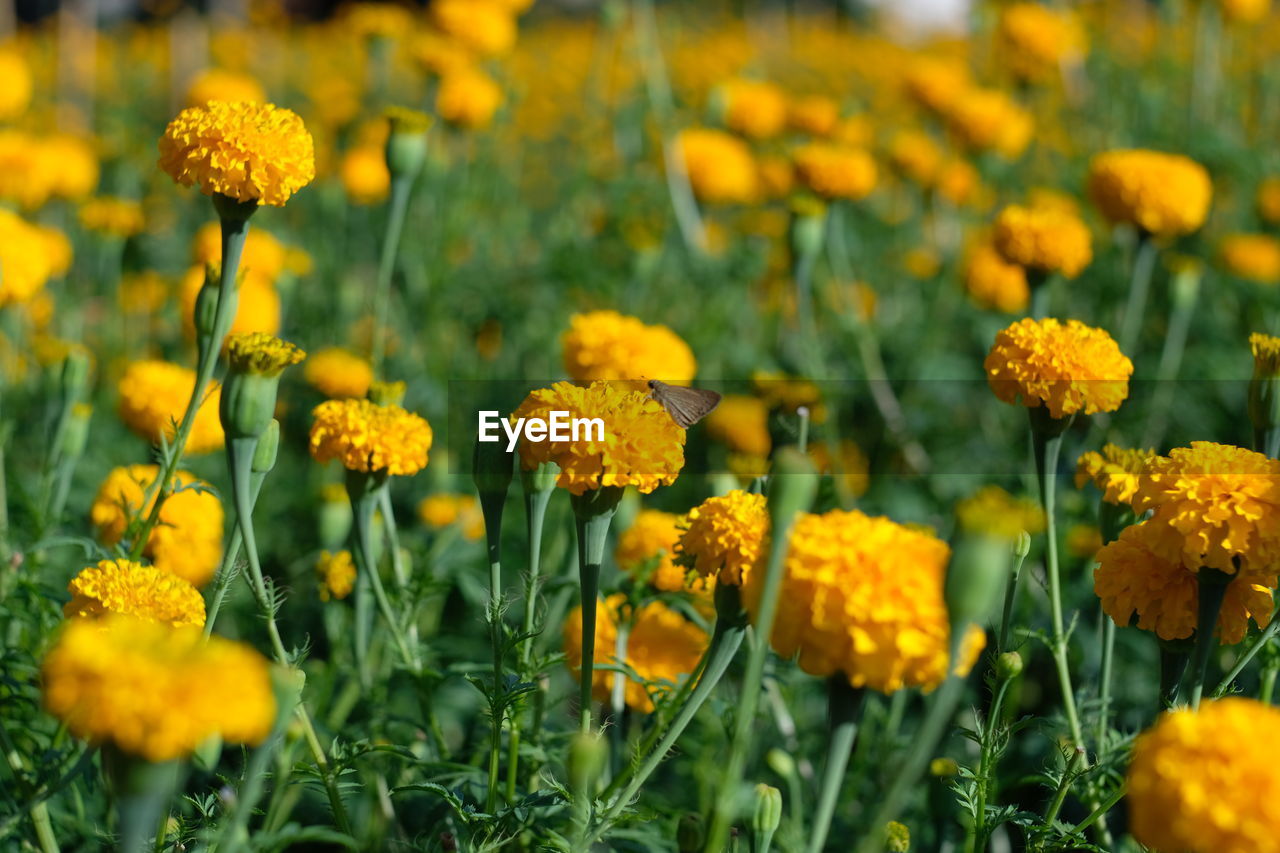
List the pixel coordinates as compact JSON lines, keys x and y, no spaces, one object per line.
{"x":742,"y":423}
{"x":992,"y":282}
{"x":261,"y":353}
{"x":364,"y":175}
{"x":722,"y":537}
{"x":258,"y":306}
{"x":154,"y":395}
{"x":1069,"y":367}
{"x":648,"y":546}
{"x":936,"y":82}
{"x":338,"y":373}
{"x":1266,"y":354}
{"x":1255,"y":257}
{"x":816,"y":115}
{"x":220,"y":84}
{"x":994,"y":512}
{"x":440,"y":55}
{"x":988,"y":119}
{"x":468,"y":98}
{"x":364,"y":436}
{"x":15,"y":95}
{"x":1043,"y":240}
{"x":835,"y":172}
{"x":754,"y":108}
{"x":336,"y":574}
{"x":720,"y":167}
{"x":156,"y":691}
{"x":132,"y":589}
{"x":24,"y":259}
{"x":612,"y":346}
{"x":1037,"y":40}
{"x":916,"y":156}
{"x":442,"y":510}
{"x":115,"y":216}
{"x":242,"y":150}
{"x":1114,"y":470}
{"x":484,"y":27}
{"x":1166,"y":195}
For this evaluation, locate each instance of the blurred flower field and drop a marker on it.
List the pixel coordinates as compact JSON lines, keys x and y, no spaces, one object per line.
{"x":977,"y":551}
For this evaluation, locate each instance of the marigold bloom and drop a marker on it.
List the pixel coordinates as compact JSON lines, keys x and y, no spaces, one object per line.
{"x":468,"y":98}
{"x":154,"y":395}
{"x":754,"y":108}
{"x":1255,"y":257}
{"x":1142,"y":573}
{"x":916,"y":156}
{"x":258,"y":306}
{"x":132,"y":589}
{"x":376,"y":20}
{"x":116,"y":216}
{"x":863,"y":596}
{"x":338,"y":373}
{"x":24,"y":259}
{"x":1267,"y":200}
{"x":26,"y":173}
{"x":643,"y":446}
{"x":188,"y":540}
{"x":648,"y":546}
{"x":935,"y":83}
{"x":365,"y":175}
{"x":720,"y":167}
{"x":992,"y":282}
{"x":1266,"y":354}
{"x":1206,"y":781}
{"x":835,"y":172}
{"x":73,"y":165}
{"x":994,"y":512}
{"x":988,"y":119}
{"x":723,"y":536}
{"x":850,"y":465}
{"x":483,"y":26}
{"x":221,"y":84}
{"x":958,"y":182}
{"x":1244,"y":11}
{"x":1037,"y":40}
{"x":263,"y":255}
{"x":242,"y":150}
{"x":1069,"y":367}
{"x":1043,"y":240}
{"x":1162,"y":194}
{"x":438,"y":54}
{"x":18,"y":85}
{"x":336,"y":575}
{"x":57,"y":249}
{"x":261,"y":353}
{"x":613,"y":346}
{"x":1114,"y":470}
{"x":816,"y":115}
{"x":662,"y":647}
{"x":442,"y":510}
{"x":364,"y":436}
{"x":742,"y":423}
{"x":155,"y":691}
{"x":1215,"y":502}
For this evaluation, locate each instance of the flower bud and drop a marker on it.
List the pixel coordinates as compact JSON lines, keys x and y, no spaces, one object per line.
{"x":767,"y":814}
{"x":264,"y":455}
{"x":690,"y":835}
{"x":791,"y":488}
{"x":808,"y":227}
{"x":333,"y":524}
{"x":206,"y":311}
{"x":978,"y":572}
{"x":387,"y":393}
{"x":1022,"y":545}
{"x":248,"y":400}
{"x":1009,"y":665}
{"x":75,"y":435}
{"x":540,"y":479}
{"x":897,"y":838}
{"x":406,"y":142}
{"x":781,"y":762}
{"x":587,"y":754}
{"x":1264,"y":387}
{"x":75,"y":374}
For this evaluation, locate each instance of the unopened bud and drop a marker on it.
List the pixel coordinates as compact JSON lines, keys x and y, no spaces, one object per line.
{"x":406,"y":142}
{"x":690,"y":835}
{"x":1009,"y":665}
{"x":767,"y":814}
{"x":268,"y":448}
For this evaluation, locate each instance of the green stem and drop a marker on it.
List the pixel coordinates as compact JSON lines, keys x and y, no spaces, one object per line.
{"x":1010,"y":594}
{"x":1267,"y":685}
{"x":364,"y":490}
{"x":1104,"y":677}
{"x":1213,"y":589}
{"x":223,"y":577}
{"x":1098,"y":813}
{"x":977,"y":835}
{"x":493,"y":530}
{"x":535,"y":504}
{"x":1064,"y":784}
{"x":1139,"y":286}
{"x":400,"y":191}
{"x":844,"y":705}
{"x":1174,"y":655}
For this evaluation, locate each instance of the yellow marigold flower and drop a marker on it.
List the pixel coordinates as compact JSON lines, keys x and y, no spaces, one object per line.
{"x":854,"y":132}
{"x":988,"y":119}
{"x":1114,"y":470}
{"x":850,"y":466}
{"x":863,"y":596}
{"x":245,"y":151}
{"x":775,"y":177}
{"x":783,"y":393}
{"x":754,"y":108}
{"x":116,"y":216}
{"x":994,"y":512}
{"x":1255,"y":257}
{"x":144,"y":592}
{"x":376,"y":20}
{"x":1267,"y":201}
{"x":1266,"y":354}
{"x":57,"y":249}
{"x":1043,"y":240}
{"x":156,"y":691}
{"x":153,"y":397}
{"x":1143,"y":573}
{"x":1083,"y":541}
{"x":26,"y":177}
{"x":992,"y":282}
{"x":958,"y":182}
{"x":221,"y":84}
{"x":935,"y":83}
{"x":1206,"y":781}
{"x":263,"y":254}
{"x":338,"y":373}
{"x":1244,"y":11}
{"x":188,"y":540}
{"x":662,"y":648}
{"x":257,"y":303}
{"x":1162,"y":194}
{"x":1214,"y":502}
{"x":440,"y":55}
{"x":482,"y":26}
{"x":442,"y":510}
{"x":916,"y":156}
{"x":1037,"y":40}
{"x":816,"y":115}
{"x":261,"y":353}
{"x":468,"y":98}
{"x":648,"y":547}
{"x":364,"y":436}
{"x":365,"y":175}
{"x":15,"y":95}
{"x":1069,"y":367}
{"x":921,"y":262}
{"x":742,"y":423}
{"x":613,"y":346}
{"x":336,"y":574}
{"x":720,"y":167}
{"x":723,"y":536}
{"x":73,"y":165}
{"x":835,"y":172}
{"x":25,"y":265}
{"x":643,"y":446}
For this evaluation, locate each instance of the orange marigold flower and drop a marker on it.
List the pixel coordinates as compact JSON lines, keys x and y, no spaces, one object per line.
{"x":754,"y":108}
{"x":988,"y":119}
{"x":994,"y":512}
{"x":742,"y":423}
{"x":612,"y":346}
{"x":25,"y":260}
{"x":468,"y":98}
{"x":1114,"y":470}
{"x":834,"y":171}
{"x":1255,"y":257}
{"x":1043,"y":240}
{"x":1245,"y":11}
{"x":153,"y":396}
{"x":220,"y":84}
{"x":144,"y":592}
{"x":15,"y":96}
{"x":1037,"y":40}
{"x":992,"y":282}
{"x":338,"y":373}
{"x":482,"y":26}
{"x":1162,"y":194}
{"x":336,"y":574}
{"x":442,"y":510}
{"x":364,"y":436}
{"x":364,"y":175}
{"x":1069,"y":367}
{"x":720,"y":167}
{"x":647,"y":548}
{"x":723,"y":535}
{"x":816,"y":115}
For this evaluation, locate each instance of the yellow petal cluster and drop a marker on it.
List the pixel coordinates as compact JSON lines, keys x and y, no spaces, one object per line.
{"x":443,"y":509}
{"x":364,"y":436}
{"x":1043,"y":239}
{"x":1162,"y":194}
{"x":1206,"y":781}
{"x":15,"y":95}
{"x":156,"y":691}
{"x":742,"y":423}
{"x":835,"y":171}
{"x":221,"y":84}
{"x":243,"y":150}
{"x":1114,"y":470}
{"x":258,"y":307}
{"x":261,"y":353}
{"x":1142,"y":575}
{"x":132,"y":589}
{"x":483,"y":27}
{"x":994,"y":512}
{"x":720,"y":167}
{"x":723,"y":536}
{"x":989,"y":120}
{"x":118,"y":217}
{"x":994,"y":283}
{"x":607,"y":345}
{"x":365,"y":175}
{"x":662,"y":648}
{"x":1255,"y":257}
{"x":153,"y":396}
{"x":1037,"y":40}
{"x":338,"y":373}
{"x":1069,"y":367}
{"x":25,"y":260}
{"x":1266,"y":355}
{"x":188,"y":540}
{"x":468,"y":98}
{"x":336,"y":574}
{"x":754,"y":108}
{"x":816,"y":115}
{"x":642,"y":447}
{"x":647,"y":548}
{"x":863,"y":596}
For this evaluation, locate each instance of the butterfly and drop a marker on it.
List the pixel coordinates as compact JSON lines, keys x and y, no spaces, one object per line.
{"x":686,"y":406}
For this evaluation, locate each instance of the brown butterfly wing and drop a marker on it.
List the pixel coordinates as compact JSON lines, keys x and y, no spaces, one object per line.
{"x":686,"y":406}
